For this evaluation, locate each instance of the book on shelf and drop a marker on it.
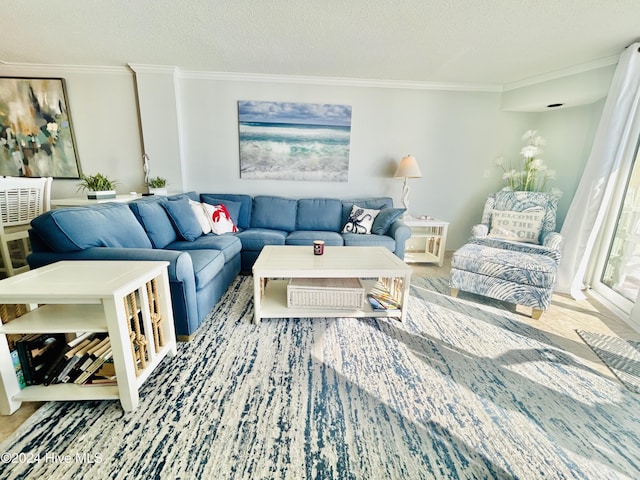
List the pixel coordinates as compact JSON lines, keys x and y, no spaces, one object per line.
{"x":73,"y":368}
{"x":36,"y":352}
{"x":89,"y":373}
{"x":382,"y":303}
{"x":60,"y":361}
{"x":18,"y":368}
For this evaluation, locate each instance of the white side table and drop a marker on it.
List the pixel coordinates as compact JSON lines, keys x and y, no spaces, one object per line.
{"x":91,"y":296}
{"x":427,"y":242}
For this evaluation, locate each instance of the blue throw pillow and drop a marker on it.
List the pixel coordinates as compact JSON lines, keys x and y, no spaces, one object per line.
{"x":183,"y":218}
{"x":385,"y":218}
{"x":155,"y":220}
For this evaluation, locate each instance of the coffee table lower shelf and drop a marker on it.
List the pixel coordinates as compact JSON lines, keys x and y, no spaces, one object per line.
{"x":273,"y":304}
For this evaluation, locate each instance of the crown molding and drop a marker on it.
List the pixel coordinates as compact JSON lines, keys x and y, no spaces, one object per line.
{"x":338,"y":81}
{"x":56,"y":70}
{"x":565,"y":72}
{"x":157,"y":69}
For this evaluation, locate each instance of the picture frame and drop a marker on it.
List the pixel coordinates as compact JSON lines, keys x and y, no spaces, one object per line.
{"x":294,"y":141}
{"x":36,"y":132}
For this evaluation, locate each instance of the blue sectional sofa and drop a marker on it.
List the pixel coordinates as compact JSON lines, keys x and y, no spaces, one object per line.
{"x":202,"y":266}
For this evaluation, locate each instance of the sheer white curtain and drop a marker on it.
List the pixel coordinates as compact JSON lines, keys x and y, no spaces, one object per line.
{"x":614,"y":144}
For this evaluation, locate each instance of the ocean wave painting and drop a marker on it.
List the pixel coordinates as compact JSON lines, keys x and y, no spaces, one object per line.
{"x":294,"y":141}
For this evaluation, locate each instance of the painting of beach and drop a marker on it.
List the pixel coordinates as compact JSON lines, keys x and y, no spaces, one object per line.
{"x":294,"y":141}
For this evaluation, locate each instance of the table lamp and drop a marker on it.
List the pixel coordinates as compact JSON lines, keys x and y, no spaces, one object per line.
{"x":408,"y":168}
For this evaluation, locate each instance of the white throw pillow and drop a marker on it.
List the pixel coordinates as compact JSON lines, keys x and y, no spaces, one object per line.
{"x":360,"y":220}
{"x":201,"y":215}
{"x":518,"y":226}
{"x":219,"y":219}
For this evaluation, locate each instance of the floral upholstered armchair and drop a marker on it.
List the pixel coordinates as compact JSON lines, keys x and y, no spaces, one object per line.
{"x":513,"y":255}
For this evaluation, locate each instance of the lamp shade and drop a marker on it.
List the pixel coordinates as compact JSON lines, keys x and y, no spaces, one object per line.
{"x":408,"y":168}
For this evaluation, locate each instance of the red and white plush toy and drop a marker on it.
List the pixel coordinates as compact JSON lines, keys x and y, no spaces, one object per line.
{"x":219,"y":218}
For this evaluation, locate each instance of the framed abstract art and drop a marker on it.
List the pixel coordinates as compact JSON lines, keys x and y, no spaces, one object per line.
{"x":36,"y":134}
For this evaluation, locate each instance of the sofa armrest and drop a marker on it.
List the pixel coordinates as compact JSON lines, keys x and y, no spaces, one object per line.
{"x":552,"y":240}
{"x":180,"y":266}
{"x":400,"y":232}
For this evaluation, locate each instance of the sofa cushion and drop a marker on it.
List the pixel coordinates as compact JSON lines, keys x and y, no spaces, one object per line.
{"x":183,"y":218}
{"x":385,"y":219}
{"x":357,"y":240}
{"x":256,"y":238}
{"x":78,"y":228}
{"x":306,"y":237}
{"x":375,"y":203}
{"x":319,"y":214}
{"x":154,"y":219}
{"x":229,"y":245}
{"x":206,"y":265}
{"x":192,"y":195}
{"x":239,"y":206}
{"x":360,"y":220}
{"x":272,"y":212}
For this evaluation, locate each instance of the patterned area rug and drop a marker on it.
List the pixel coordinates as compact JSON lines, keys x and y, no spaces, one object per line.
{"x":460,"y":390}
{"x":621,"y":356}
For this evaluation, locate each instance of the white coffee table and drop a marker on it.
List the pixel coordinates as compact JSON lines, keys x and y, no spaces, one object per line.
{"x":277,"y":264}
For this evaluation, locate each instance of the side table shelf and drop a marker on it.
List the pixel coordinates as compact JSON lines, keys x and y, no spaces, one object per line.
{"x":130,"y":301}
{"x":427,"y":242}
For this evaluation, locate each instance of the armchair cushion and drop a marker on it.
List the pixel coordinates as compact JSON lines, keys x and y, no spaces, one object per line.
{"x":523,"y":268}
{"x":515,"y":246}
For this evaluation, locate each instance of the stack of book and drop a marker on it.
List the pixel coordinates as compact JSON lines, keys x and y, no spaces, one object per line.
{"x":380,"y":300}
{"x":46,"y":359}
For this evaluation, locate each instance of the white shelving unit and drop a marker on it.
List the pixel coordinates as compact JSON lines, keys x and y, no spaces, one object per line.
{"x":87,"y":296}
{"x":427,"y":242}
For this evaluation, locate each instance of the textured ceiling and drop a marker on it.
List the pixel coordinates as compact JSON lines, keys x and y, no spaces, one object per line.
{"x":461,"y":41}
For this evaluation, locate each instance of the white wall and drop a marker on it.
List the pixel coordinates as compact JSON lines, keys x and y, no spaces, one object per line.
{"x":102,"y":102}
{"x":454,"y":135}
{"x":189,"y":121}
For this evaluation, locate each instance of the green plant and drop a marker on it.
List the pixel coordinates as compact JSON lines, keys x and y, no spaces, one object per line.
{"x":157,"y":182}
{"x":96,"y":183}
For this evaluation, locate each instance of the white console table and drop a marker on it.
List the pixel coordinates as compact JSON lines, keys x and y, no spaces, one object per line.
{"x":91,"y":296}
{"x":84,"y":201}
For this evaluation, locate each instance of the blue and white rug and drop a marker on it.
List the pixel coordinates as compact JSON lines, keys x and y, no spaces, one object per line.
{"x":461,"y":391}
{"x":621,"y":356}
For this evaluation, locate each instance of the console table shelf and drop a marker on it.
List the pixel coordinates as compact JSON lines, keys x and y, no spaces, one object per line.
{"x":88,"y":296}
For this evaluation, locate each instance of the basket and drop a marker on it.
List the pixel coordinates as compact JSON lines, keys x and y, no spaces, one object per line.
{"x":336,"y":293}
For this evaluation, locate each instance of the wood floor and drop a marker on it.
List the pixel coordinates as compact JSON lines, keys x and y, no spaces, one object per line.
{"x":558,"y":323}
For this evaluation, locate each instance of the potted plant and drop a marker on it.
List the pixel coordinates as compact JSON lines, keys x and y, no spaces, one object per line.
{"x":98,"y":186}
{"x":157,"y":186}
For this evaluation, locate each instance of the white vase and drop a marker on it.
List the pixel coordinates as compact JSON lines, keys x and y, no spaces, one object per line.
{"x":158,"y":191}
{"x":101,"y":194}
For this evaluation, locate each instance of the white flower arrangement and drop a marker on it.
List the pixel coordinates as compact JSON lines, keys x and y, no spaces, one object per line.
{"x":534,"y":174}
